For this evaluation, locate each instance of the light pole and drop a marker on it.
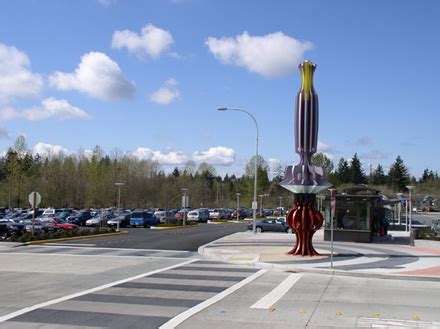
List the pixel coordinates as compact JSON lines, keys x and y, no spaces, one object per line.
{"x":184,"y":204}
{"x":119,"y":205}
{"x":254,"y":203}
{"x":399,"y":206}
{"x":261,"y":203}
{"x":238,"y":205}
{"x":332,"y":214}
{"x":410,"y":188}
{"x":280,"y":198}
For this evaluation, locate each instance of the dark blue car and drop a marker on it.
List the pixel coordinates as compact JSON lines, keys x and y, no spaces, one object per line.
{"x":143,"y":218}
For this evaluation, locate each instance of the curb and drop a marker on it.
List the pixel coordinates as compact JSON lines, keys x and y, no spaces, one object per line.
{"x":217,"y":223}
{"x":204,"y":251}
{"x":171,"y":227}
{"x":72,"y":238}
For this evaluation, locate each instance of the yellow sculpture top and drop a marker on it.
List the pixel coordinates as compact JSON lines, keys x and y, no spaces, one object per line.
{"x":307,"y":68}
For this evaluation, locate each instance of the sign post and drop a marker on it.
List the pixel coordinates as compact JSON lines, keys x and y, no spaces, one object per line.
{"x":332,"y":214}
{"x":34,"y":200}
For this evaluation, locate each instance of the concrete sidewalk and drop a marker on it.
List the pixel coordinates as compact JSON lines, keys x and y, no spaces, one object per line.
{"x":393,"y":257}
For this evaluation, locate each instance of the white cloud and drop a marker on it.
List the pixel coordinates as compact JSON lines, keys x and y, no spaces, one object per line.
{"x":16,"y":78}
{"x":49,"y":150}
{"x":4,"y":133}
{"x":87,"y":153}
{"x":96,"y":75}
{"x":271,"y":55}
{"x":166,"y":158}
{"x":152,"y":41}
{"x":219,"y":155}
{"x":374,"y":155}
{"x":50,"y":108}
{"x":326,"y":150}
{"x":166,"y":94}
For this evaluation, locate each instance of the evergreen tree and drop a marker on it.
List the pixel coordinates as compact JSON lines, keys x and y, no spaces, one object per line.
{"x":398,"y":177}
{"x":343,"y":172}
{"x":357,"y":175}
{"x":378,"y":177}
{"x":176,"y":172}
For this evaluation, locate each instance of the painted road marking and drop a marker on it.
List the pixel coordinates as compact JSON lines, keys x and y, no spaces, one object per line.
{"x":69,"y":245}
{"x":79,"y":255}
{"x":174,"y":322}
{"x":85,"y":292}
{"x":124,"y":249}
{"x":364,"y":322}
{"x":271,"y":298}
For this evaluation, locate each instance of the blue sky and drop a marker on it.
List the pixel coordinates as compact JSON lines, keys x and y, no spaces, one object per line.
{"x":145,"y":77}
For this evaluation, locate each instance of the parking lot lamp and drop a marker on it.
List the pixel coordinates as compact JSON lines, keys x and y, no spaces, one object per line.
{"x":238,"y":205}
{"x":410,"y":188}
{"x":399,"y":206}
{"x":119,"y":205}
{"x":184,"y":204}
{"x":254,"y":203}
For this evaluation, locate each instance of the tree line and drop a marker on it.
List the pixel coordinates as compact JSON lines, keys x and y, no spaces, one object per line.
{"x":79,"y":181}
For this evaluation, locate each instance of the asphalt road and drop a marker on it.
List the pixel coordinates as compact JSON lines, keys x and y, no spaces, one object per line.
{"x":189,"y":239}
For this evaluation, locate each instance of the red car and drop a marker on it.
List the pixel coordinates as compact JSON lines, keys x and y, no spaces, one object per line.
{"x":61,"y":224}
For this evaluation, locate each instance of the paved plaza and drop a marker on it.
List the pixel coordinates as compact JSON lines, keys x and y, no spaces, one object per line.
{"x":242,"y":280}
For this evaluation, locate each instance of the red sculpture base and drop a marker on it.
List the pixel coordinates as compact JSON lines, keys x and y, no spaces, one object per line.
{"x":304,"y":221}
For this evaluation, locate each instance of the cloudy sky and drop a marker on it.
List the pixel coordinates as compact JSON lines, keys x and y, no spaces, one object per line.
{"x":146,"y":77}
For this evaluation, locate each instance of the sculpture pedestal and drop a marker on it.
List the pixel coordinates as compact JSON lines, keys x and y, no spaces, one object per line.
{"x":304,"y":220}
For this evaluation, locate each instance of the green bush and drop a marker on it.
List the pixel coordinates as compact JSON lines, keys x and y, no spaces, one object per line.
{"x":26,"y":236}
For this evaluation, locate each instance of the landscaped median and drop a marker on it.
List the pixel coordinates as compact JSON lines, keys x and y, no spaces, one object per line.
{"x":49,"y":237}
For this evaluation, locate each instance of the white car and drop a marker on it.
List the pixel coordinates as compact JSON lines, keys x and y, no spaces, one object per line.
{"x":218,"y":213}
{"x":198,"y":215}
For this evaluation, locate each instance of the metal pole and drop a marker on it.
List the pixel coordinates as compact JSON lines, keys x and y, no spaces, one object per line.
{"x":238,"y":206}
{"x":254,"y":203}
{"x":119,"y":208}
{"x":33,"y":212}
{"x":406,"y":215}
{"x":332,"y":213}
{"x":410,"y":211}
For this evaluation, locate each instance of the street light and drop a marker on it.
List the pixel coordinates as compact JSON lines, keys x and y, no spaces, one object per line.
{"x":332,"y":215}
{"x":254,"y":203}
{"x":261,"y":203}
{"x":238,"y":205}
{"x":119,"y":204}
{"x":280,"y":198}
{"x":184,"y":203}
{"x":399,"y":206}
{"x":410,"y":188}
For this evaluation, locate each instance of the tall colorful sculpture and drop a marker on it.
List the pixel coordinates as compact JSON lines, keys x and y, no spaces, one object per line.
{"x":304,"y":179}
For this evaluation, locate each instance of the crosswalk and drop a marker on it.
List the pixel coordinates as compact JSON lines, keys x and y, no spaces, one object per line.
{"x":146,"y":302}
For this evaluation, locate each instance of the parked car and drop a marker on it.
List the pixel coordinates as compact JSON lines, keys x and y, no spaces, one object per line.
{"x":218,"y":213}
{"x":143,"y":218}
{"x":242,"y":213}
{"x":59,"y":223}
{"x":123,"y":219}
{"x":80,"y":218}
{"x":274,"y":224}
{"x":99,"y":220}
{"x":179,"y":214}
{"x":170,"y":215}
{"x":8,"y":227}
{"x":435,"y":226}
{"x":198,"y":215}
